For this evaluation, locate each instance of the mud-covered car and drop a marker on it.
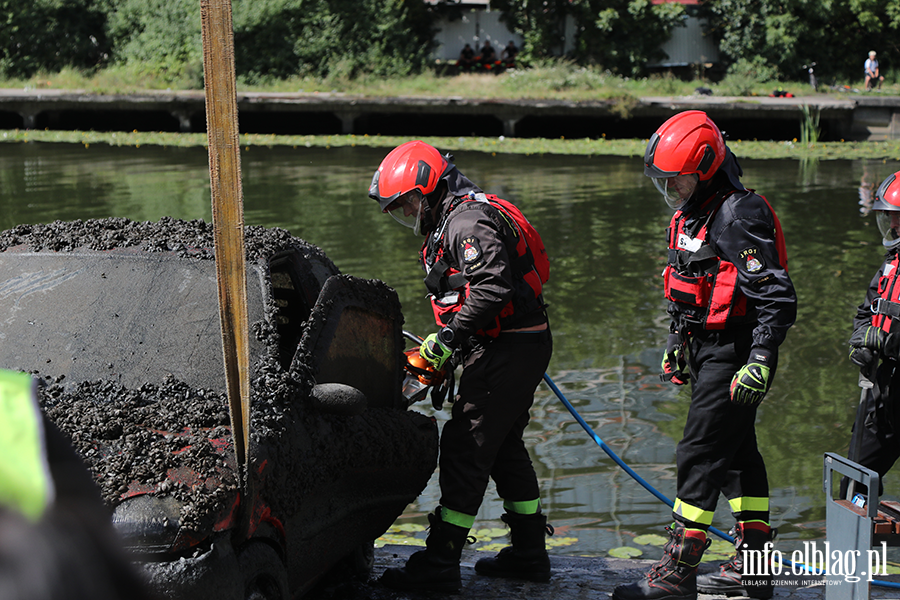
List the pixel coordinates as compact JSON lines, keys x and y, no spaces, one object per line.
{"x":119,"y":320}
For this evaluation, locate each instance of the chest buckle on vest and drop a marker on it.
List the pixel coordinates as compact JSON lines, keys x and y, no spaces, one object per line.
{"x":881,"y":306}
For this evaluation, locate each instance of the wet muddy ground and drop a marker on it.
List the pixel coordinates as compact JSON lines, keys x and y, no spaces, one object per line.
{"x":574,"y":578}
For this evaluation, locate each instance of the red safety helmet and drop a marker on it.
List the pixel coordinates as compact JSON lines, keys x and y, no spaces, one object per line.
{"x":688,"y":143}
{"x":411,"y":166}
{"x":887,"y":205}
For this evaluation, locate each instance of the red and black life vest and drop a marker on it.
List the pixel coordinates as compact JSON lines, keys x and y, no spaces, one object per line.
{"x":704,"y":286}
{"x":886,"y":307}
{"x":449,"y":288}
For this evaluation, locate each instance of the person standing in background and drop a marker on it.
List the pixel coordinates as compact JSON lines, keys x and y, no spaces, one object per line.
{"x":873,"y":72}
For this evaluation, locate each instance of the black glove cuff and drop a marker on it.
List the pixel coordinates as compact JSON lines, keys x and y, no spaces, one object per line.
{"x":448,"y":337}
{"x":761,"y":355}
{"x":891,"y":347}
{"x":672,"y":342}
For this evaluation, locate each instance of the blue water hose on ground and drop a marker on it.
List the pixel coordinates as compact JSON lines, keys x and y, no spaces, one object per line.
{"x":616,"y":458}
{"x":656,"y":492}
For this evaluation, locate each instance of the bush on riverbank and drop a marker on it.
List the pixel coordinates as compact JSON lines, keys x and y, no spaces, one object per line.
{"x":278,"y":40}
{"x":274,"y":39}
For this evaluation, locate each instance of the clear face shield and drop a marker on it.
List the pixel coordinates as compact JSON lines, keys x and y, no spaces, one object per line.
{"x":676,"y":190}
{"x":408,"y":209}
{"x":889,"y":225}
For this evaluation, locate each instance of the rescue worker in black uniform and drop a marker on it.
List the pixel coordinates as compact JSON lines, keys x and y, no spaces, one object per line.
{"x":485,"y":289}
{"x":875,"y":347}
{"x":731,"y":303}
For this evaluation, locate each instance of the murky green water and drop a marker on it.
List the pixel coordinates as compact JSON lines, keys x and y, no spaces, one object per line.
{"x":603,"y":226}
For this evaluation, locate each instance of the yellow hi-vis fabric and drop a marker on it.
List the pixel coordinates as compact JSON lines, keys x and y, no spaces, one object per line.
{"x":692,"y":513}
{"x":25,"y":481}
{"x":742,"y":503}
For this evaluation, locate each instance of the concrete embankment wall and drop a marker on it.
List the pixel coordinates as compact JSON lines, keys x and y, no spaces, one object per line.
{"x":849,"y":117}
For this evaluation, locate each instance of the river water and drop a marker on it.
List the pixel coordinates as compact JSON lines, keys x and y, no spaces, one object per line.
{"x":602,"y":222}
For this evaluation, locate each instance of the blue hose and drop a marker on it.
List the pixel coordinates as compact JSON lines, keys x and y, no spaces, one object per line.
{"x":656,"y":492}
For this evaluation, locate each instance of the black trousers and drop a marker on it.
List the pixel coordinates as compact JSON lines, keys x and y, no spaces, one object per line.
{"x":483,"y":438}
{"x":718,"y":453}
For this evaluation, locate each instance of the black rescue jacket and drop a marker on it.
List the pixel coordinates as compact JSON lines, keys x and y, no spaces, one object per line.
{"x":475,"y":240}
{"x":727,"y":264}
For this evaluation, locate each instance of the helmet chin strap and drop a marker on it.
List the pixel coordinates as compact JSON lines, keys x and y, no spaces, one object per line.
{"x":426,"y":222}
{"x":699,"y":198}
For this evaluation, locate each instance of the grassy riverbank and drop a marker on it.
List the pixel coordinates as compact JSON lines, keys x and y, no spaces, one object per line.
{"x":887,"y":150}
{"x":553,"y":80}
{"x":558,"y":80}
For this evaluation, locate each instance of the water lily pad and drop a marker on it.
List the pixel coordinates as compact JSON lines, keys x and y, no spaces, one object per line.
{"x":721,"y":547}
{"x":719,"y":550}
{"x":409,"y":527}
{"x":489,"y":533}
{"x":555,"y":541}
{"x":651,"y":539}
{"x":625,"y":552}
{"x":398,"y":540}
{"x":492,"y":547}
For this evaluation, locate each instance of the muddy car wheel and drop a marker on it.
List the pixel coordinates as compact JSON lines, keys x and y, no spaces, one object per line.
{"x":263,"y":572}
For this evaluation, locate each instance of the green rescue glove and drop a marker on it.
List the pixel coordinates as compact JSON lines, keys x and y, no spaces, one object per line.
{"x":434,"y":351}
{"x":750,"y":384}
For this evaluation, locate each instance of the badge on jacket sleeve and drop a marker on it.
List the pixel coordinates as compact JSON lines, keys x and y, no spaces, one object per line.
{"x":752,"y":260}
{"x":471,"y":254}
{"x":471,"y":250}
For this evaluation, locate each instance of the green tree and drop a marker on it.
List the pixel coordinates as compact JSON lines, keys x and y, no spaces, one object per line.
{"x":159,"y":36}
{"x":48,"y":35}
{"x":541,"y":23}
{"x":624,"y":35}
{"x":278,"y":38}
{"x":619,"y":35}
{"x":787,"y":34}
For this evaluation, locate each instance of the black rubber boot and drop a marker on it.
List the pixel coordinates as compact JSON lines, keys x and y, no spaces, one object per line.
{"x":730,"y":579}
{"x":674,"y":577}
{"x":527,"y":557}
{"x":436,"y":568}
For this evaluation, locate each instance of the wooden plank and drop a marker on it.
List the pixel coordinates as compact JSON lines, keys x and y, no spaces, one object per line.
{"x":227,"y":211}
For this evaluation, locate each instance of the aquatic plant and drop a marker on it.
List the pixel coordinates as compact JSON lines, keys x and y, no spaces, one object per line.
{"x":809,"y":125}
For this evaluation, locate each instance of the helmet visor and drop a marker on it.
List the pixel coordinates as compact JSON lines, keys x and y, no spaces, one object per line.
{"x":889,"y":226}
{"x":407,"y":210}
{"x":676,"y":190}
